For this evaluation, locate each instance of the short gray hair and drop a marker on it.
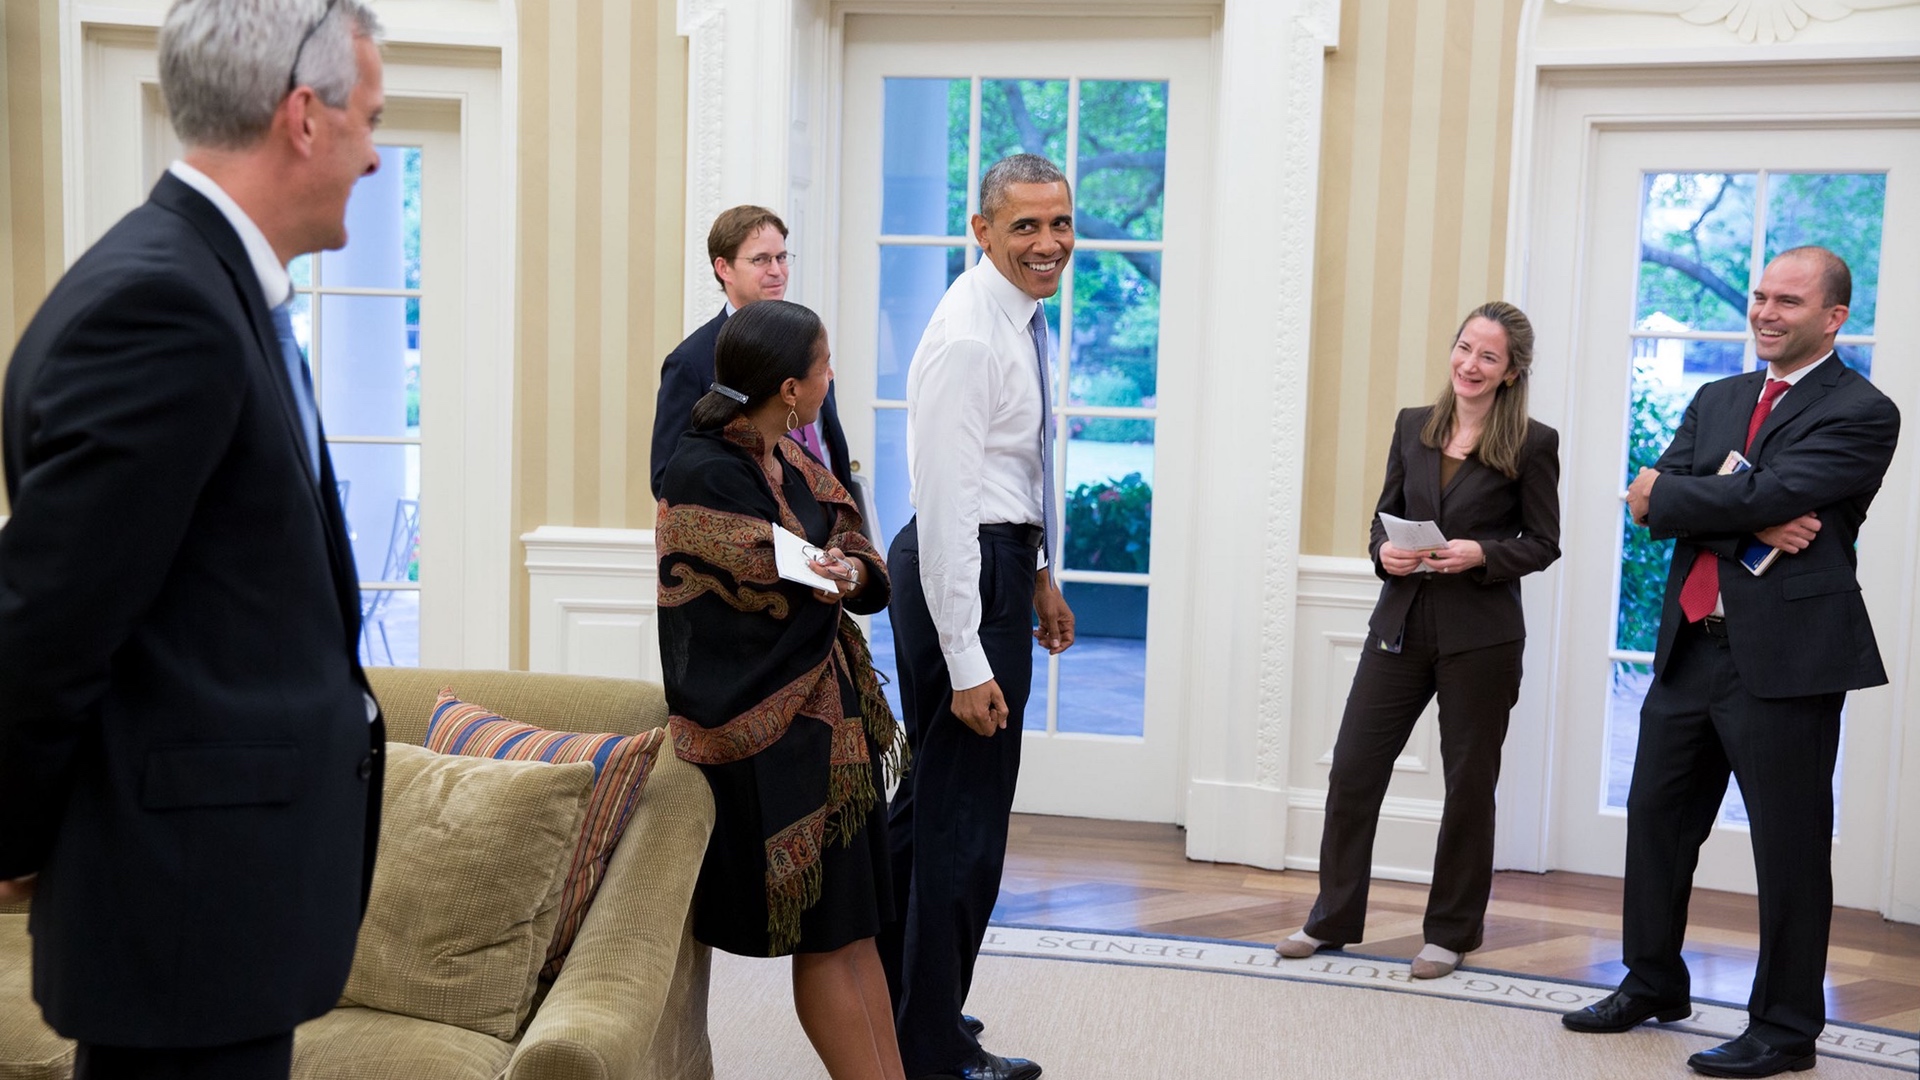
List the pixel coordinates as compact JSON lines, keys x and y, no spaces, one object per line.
{"x":1017,"y":169}
{"x":225,"y":64}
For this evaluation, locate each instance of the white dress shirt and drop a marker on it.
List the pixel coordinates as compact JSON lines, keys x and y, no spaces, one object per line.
{"x":973,"y":448}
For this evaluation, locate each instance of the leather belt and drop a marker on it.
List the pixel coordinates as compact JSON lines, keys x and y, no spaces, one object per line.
{"x":1030,"y":535}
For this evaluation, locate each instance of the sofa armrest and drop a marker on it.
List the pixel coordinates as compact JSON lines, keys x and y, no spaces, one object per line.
{"x":634,"y":981}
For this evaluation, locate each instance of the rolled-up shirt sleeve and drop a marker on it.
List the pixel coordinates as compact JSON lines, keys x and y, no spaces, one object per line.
{"x":949,"y":408}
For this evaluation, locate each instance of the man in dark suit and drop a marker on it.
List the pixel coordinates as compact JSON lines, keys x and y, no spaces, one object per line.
{"x":190,"y":758}
{"x":748,"y":246}
{"x":1751,"y":671}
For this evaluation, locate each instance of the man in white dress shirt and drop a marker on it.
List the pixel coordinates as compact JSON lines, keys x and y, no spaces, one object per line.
{"x":970,"y":574}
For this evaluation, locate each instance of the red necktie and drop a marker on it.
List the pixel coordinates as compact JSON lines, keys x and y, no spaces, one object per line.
{"x":1702,"y":586}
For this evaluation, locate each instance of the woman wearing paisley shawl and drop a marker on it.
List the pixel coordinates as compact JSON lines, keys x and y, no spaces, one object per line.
{"x":772,"y":692}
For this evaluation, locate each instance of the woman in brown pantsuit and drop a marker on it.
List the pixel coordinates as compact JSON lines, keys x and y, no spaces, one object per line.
{"x":1448,"y":623}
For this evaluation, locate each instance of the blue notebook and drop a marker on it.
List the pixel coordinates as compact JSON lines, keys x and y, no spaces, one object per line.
{"x":1754,"y":555}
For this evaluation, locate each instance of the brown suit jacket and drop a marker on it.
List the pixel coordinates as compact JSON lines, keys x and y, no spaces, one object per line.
{"x":1517,"y":523}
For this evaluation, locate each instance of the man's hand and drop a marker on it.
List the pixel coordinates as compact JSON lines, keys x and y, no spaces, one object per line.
{"x":1640,"y":495}
{"x":982,"y":708}
{"x":1055,"y":632}
{"x":18,"y":888}
{"x":1793,"y":536}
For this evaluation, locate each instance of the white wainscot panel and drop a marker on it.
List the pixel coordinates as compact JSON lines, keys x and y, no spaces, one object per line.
{"x":591,"y":602}
{"x":1336,"y":596}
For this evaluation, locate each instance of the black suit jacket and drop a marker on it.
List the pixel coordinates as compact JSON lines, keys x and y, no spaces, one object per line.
{"x":1801,"y":628}
{"x":683,"y":380}
{"x":185,"y":751}
{"x":1517,"y":523}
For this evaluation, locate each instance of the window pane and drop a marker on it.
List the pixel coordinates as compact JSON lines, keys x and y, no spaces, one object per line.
{"x":368,"y":372}
{"x":890,"y":479}
{"x":1659,"y":398}
{"x":1838,"y":211}
{"x":1116,"y":329}
{"x":1023,"y":116}
{"x":378,"y":225}
{"x":1109,"y":487}
{"x":379,"y":485}
{"x":1696,"y":239}
{"x":1103,"y":678}
{"x":1121,"y":189}
{"x":390,"y":627}
{"x":912,"y":281}
{"x":1857,"y":357}
{"x":1626,"y":690}
{"x":923,"y":175}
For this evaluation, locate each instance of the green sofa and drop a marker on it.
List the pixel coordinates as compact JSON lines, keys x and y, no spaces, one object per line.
{"x":631,"y":1001}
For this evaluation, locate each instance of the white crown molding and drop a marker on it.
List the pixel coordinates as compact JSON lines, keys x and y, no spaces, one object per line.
{"x":1757,"y":22}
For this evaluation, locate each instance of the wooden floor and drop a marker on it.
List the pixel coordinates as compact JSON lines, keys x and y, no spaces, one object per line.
{"x":1109,"y":875}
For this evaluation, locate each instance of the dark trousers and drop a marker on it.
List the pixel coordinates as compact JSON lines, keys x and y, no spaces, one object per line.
{"x":948,"y":821}
{"x":1477,"y":689}
{"x":269,"y":1058}
{"x":1698,"y":724}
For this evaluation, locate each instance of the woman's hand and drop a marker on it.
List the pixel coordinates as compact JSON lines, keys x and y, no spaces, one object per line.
{"x":1458,"y":557}
{"x":846,"y":573}
{"x":1399,"y":561}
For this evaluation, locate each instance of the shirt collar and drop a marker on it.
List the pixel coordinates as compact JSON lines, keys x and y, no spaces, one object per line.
{"x":1800,"y":373}
{"x":1008,"y":297}
{"x":275,"y":285}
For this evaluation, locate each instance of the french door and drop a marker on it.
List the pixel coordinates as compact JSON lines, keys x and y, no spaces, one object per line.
{"x":1123,"y":108}
{"x":1680,"y":223}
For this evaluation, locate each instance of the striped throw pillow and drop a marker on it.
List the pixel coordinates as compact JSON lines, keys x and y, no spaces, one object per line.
{"x":620,"y":763}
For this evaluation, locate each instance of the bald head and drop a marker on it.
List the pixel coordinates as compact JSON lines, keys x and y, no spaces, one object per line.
{"x":1835,"y":279}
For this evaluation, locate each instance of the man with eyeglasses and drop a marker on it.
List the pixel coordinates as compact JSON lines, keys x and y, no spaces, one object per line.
{"x":190,"y":756}
{"x":748,"y":248}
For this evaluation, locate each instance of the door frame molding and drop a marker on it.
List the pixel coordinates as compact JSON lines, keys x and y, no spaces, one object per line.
{"x":780,"y":149}
{"x":1565,"y":96}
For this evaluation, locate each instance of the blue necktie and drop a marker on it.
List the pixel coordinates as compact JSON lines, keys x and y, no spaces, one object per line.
{"x":301,"y":382}
{"x":1037,"y":328}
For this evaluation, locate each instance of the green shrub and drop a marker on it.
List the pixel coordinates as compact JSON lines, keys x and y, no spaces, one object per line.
{"x":1109,"y":525}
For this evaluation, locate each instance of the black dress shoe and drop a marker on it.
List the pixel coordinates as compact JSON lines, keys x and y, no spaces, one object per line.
{"x":985,"y":1066}
{"x":1748,"y":1056}
{"x":1620,"y":1011}
{"x":973,"y":1024}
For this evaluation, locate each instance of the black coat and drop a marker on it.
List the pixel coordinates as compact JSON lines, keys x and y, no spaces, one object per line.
{"x":684,"y":376}
{"x":1801,"y":628}
{"x":186,"y":757}
{"x":1516,"y":522}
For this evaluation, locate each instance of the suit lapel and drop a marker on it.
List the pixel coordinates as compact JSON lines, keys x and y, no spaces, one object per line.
{"x":1811,"y":388}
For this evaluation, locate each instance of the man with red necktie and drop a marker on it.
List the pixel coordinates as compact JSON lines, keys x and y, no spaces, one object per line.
{"x":1752,"y":670}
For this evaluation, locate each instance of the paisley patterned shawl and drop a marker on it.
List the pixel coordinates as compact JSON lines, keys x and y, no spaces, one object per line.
{"x":756,"y":666}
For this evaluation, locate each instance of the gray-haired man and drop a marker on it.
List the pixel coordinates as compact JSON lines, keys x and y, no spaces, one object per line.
{"x":970,"y":574}
{"x":190,"y":770}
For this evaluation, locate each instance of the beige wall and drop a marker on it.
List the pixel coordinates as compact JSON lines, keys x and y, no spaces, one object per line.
{"x":30,"y":204}
{"x":602,"y":130}
{"x":1412,"y":232}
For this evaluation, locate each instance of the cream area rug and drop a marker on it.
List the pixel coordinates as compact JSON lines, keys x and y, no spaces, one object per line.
{"x":1100,"y":1006}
